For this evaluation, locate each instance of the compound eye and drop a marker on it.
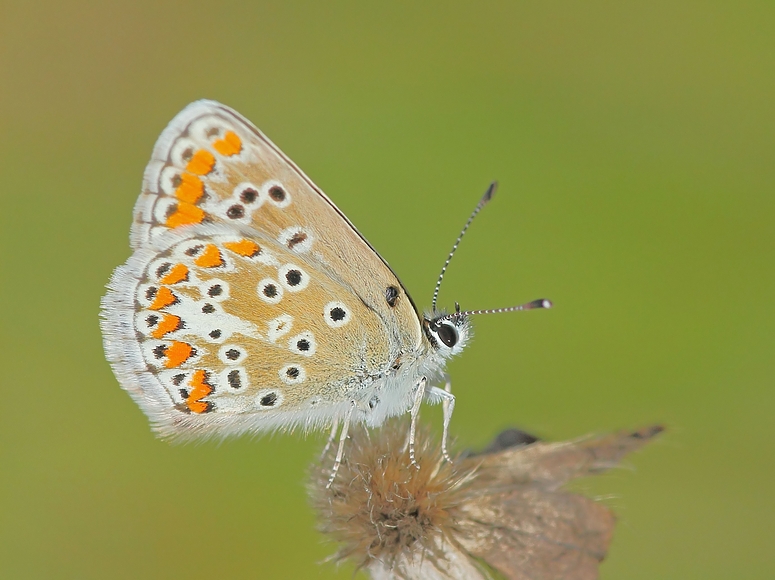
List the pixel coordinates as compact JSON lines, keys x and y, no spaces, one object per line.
{"x":448,"y":334}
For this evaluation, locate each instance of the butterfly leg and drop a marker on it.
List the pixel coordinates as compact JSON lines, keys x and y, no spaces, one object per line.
{"x":447,"y":406}
{"x":418,"y":397}
{"x":342,"y":439}
{"x":331,"y":437}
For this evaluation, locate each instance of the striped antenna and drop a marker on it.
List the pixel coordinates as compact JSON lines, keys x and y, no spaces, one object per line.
{"x":540,"y":303}
{"x":482,"y":202}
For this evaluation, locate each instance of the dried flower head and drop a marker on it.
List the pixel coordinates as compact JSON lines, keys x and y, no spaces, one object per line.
{"x":500,"y":510}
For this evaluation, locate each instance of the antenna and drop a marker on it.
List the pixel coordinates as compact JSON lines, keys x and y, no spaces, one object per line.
{"x":482,"y":202}
{"x":540,"y":303}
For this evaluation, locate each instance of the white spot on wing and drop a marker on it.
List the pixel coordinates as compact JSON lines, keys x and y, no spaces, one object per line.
{"x":232,"y":354}
{"x":293,"y":278}
{"x":206,"y":129}
{"x":292,"y":374}
{"x":234,"y":380}
{"x":215,"y":290}
{"x":297,"y":239}
{"x":304,"y":339}
{"x":247,"y":188}
{"x":224,"y":209}
{"x":266,"y":193}
{"x":182,"y":151}
{"x":269,"y":395}
{"x":336,"y":314}
{"x":188,"y":250}
{"x":267,"y":285}
{"x":279,"y":326}
{"x":162,"y":208}
{"x":167,"y":178}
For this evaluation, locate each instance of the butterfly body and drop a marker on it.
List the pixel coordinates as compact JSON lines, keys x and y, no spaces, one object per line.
{"x":252,"y":304}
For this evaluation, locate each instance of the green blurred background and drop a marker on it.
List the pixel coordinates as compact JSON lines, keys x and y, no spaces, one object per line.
{"x":634,"y":146}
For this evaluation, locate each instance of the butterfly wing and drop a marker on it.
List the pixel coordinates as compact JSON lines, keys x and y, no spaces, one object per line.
{"x":251,"y":302}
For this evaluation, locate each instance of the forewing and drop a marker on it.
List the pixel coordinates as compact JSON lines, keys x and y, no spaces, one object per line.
{"x":213,"y":165}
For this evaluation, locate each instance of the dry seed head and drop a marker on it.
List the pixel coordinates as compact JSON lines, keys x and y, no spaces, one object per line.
{"x":502,"y":510}
{"x":380,"y":506}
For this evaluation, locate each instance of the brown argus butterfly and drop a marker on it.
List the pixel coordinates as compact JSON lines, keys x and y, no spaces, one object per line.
{"x":251,"y":303}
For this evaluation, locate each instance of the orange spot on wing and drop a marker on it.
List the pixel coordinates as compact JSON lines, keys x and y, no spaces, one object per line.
{"x":201,"y":163}
{"x":178,"y":273}
{"x":164,"y":297}
{"x":178,"y":353}
{"x":245,"y":248}
{"x":210,"y":257}
{"x":169,"y":323}
{"x":200,"y":389}
{"x":185,"y":214}
{"x":229,"y":145}
{"x":190,"y":189}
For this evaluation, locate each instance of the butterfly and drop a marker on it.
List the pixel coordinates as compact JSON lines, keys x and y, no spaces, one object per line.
{"x":251,"y":303}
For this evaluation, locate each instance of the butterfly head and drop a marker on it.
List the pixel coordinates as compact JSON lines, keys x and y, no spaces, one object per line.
{"x":448,"y":333}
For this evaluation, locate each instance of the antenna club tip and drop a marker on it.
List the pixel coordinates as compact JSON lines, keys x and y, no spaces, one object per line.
{"x":490,"y":192}
{"x":540,"y":303}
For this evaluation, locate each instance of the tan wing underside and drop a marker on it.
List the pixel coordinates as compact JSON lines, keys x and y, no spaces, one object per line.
{"x":217,"y":183}
{"x":337,"y":245}
{"x":223,"y":352}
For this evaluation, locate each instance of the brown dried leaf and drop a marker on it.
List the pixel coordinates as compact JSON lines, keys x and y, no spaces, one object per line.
{"x":555,"y":464}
